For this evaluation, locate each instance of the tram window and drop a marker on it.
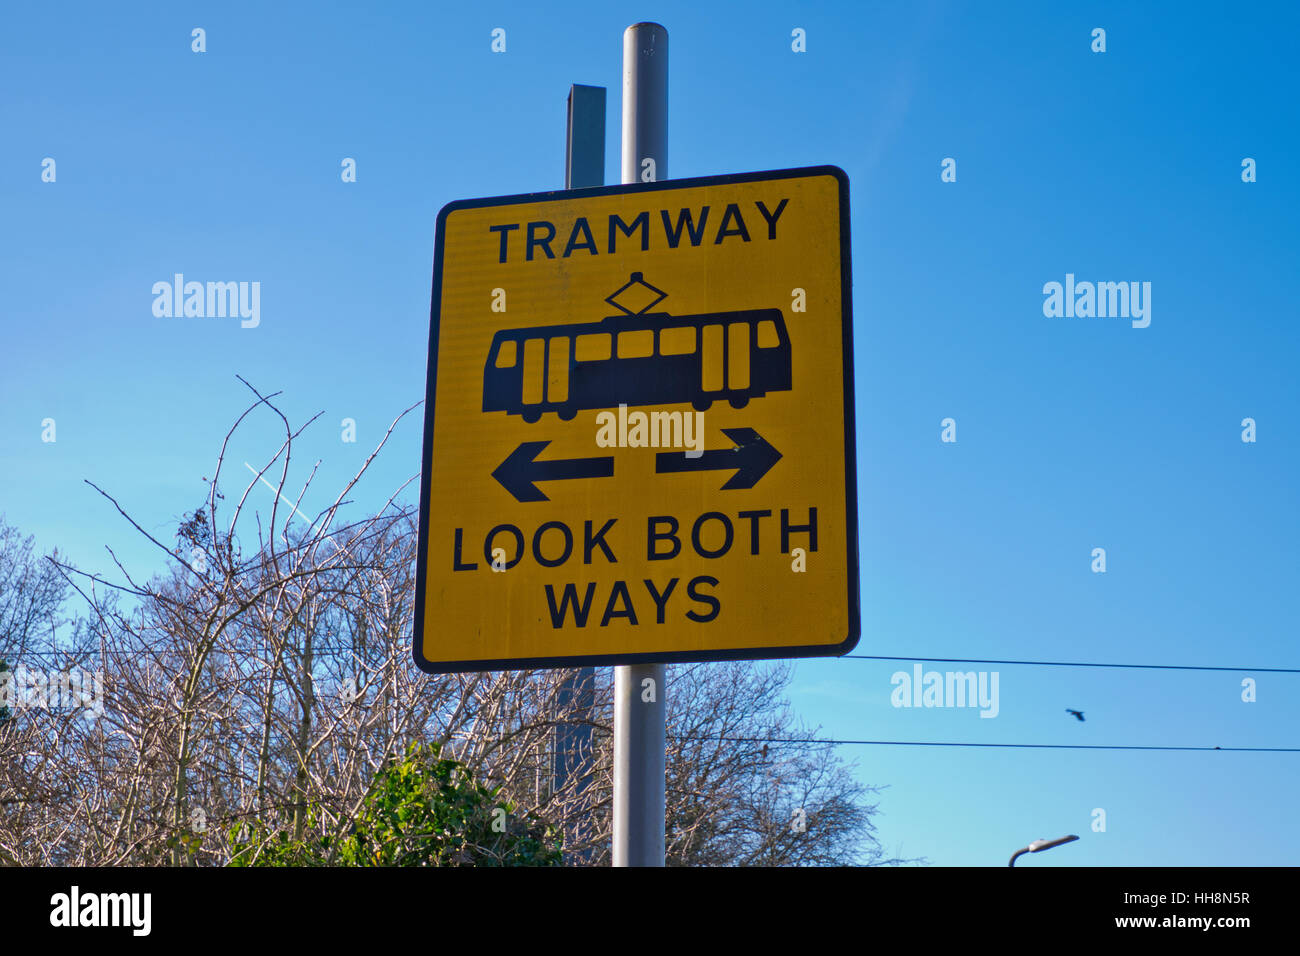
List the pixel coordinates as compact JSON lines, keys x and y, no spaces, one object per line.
{"x":767,"y":337}
{"x":738,"y":354}
{"x":592,"y":348}
{"x":680,"y":341}
{"x":711,"y":358}
{"x":506,"y":354}
{"x":557,"y":369}
{"x":638,"y":343}
{"x":534,"y":364}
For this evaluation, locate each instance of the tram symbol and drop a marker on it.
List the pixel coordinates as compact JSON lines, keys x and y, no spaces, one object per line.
{"x":637,"y":358}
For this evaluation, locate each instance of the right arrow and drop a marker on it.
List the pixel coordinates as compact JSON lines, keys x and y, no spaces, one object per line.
{"x":752,"y":458}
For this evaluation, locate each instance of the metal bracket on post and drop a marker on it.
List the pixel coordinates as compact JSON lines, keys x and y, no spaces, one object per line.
{"x":584,"y":165}
{"x":584,"y":157}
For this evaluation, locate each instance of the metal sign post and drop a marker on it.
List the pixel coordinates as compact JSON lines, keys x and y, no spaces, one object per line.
{"x":639,"y":704}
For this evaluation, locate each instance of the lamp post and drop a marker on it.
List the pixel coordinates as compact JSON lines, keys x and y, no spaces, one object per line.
{"x":1038,"y":846}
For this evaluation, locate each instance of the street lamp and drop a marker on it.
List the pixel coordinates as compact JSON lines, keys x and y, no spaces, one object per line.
{"x":1039,"y":846}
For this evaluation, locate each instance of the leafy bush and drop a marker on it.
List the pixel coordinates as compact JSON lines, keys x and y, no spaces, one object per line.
{"x":421,"y":810}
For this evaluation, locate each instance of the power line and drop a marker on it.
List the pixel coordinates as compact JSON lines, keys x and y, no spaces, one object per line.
{"x":339,"y":734}
{"x":1159,"y":667}
{"x":328,"y":649}
{"x":970,"y":660}
{"x":925,"y":743}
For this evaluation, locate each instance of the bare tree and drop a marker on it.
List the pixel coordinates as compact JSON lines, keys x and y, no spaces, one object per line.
{"x":31,"y":594}
{"x":266,"y":676}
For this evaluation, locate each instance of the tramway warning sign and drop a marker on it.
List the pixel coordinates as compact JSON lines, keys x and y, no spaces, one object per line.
{"x":638,"y":436}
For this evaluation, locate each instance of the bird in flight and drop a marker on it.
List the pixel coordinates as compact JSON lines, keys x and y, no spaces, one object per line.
{"x":1077,"y":713}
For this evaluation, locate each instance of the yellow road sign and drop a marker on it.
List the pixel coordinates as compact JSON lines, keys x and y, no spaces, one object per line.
{"x":638,"y":438}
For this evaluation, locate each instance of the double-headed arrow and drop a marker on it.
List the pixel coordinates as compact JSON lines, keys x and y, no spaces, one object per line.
{"x":752,"y":458}
{"x":520,"y":469}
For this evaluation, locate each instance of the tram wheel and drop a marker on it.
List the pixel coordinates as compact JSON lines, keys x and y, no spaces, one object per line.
{"x":532,"y":415}
{"x":701,"y":404}
{"x":567,"y":414}
{"x":738,"y":401}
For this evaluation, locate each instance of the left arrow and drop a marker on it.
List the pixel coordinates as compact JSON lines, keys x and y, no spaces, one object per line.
{"x":520,"y":469}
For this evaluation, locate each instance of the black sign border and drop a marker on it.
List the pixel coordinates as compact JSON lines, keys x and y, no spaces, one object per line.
{"x":850,"y":439}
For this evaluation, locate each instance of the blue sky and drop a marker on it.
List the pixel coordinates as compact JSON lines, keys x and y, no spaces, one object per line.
{"x":1072,"y":433}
